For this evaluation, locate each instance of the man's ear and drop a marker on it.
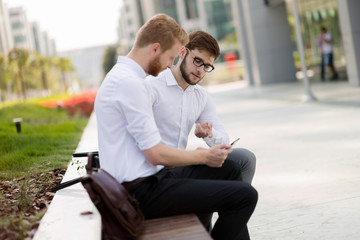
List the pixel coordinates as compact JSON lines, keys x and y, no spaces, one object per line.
{"x":182,"y":52}
{"x":155,"y":49}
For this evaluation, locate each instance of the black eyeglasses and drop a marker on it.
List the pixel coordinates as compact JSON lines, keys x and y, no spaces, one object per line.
{"x":199,"y":62}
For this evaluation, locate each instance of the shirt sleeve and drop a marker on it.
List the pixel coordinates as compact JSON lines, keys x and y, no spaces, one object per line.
{"x":150,"y":91}
{"x":135,"y":102}
{"x":209,"y":114}
{"x":328,"y":37}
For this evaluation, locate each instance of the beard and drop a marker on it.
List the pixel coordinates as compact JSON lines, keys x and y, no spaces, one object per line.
{"x":155,"y":67}
{"x":184,"y":74}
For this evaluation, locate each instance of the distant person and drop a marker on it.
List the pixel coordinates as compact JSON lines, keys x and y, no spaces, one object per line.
{"x":325,"y":44}
{"x":179,"y":102}
{"x":166,"y":181}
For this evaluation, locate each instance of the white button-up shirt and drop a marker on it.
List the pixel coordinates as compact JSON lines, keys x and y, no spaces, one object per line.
{"x":176,"y":110}
{"x":327,"y":47}
{"x":125,"y":122}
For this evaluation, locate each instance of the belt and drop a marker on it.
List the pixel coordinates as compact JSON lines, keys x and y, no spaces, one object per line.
{"x":129,"y":185}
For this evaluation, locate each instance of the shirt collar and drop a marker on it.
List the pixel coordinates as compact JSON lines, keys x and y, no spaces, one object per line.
{"x":171,"y":81}
{"x":132,"y":64}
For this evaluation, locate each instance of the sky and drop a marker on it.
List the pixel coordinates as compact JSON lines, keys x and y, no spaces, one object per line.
{"x":74,"y":24}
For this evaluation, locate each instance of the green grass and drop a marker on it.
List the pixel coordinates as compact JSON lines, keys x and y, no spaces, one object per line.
{"x":48,"y":138}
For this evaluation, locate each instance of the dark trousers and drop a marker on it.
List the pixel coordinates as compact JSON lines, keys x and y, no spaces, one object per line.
{"x":327,"y":60}
{"x":201,"y":190}
{"x":247,"y":162}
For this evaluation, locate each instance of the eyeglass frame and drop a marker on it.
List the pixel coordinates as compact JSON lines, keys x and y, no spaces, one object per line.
{"x":202,"y":62}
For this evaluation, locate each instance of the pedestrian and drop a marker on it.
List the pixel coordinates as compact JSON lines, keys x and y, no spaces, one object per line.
{"x":325,"y":45}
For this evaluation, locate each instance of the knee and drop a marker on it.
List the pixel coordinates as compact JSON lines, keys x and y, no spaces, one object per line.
{"x":252,"y":159}
{"x":251,"y":195}
{"x":250,"y":155}
{"x":243,"y":157}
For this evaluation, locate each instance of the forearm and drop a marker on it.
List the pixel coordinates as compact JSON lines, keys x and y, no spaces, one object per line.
{"x":172,"y":157}
{"x":167,"y":156}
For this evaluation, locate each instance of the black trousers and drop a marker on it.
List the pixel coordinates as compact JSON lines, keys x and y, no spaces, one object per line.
{"x":203,"y":190}
{"x":327,"y":60}
{"x":247,"y":162}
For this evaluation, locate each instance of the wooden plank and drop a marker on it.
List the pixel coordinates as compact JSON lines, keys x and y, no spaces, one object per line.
{"x":182,"y":227}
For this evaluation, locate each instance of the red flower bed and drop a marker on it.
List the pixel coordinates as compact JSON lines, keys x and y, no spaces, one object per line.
{"x":83,"y":103}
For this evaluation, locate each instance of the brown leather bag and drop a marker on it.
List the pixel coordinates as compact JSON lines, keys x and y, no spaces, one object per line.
{"x":120,"y":213}
{"x":121,"y":216}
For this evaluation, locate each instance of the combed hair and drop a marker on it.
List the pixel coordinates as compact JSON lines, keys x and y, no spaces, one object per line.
{"x":162,"y":29}
{"x":203,"y":41}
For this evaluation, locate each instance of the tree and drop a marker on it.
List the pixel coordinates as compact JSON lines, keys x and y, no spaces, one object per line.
{"x":43,"y":64}
{"x":19,"y":59}
{"x":4,"y":76}
{"x":65,"y":66}
{"x":109,"y":58}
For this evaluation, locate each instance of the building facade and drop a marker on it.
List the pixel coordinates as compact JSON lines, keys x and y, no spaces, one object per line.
{"x":267,"y":37}
{"x":265,"y":31}
{"x":17,"y":31}
{"x":21,"y":30}
{"x":6,"y":42}
{"x":211,"y":15}
{"x":38,"y":39}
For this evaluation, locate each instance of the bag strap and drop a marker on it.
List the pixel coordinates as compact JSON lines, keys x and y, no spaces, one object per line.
{"x":91,"y":166}
{"x":93,"y":163}
{"x":66,"y":184}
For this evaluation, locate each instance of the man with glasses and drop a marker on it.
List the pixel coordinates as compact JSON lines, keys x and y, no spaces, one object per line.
{"x":178,"y":102}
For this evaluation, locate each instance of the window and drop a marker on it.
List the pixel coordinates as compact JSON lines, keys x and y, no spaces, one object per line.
{"x":19,"y":39}
{"x":191,"y":9}
{"x":17,"y":25}
{"x":168,"y":7}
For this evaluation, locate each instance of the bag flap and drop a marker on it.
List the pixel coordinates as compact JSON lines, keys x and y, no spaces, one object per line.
{"x":116,"y":192}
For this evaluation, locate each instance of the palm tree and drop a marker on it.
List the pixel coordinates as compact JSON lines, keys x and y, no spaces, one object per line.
{"x":109,"y":58}
{"x":65,"y":66}
{"x":4,"y":76}
{"x":43,"y":64}
{"x":19,"y":59}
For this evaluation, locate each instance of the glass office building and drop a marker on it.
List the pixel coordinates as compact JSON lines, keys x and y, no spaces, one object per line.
{"x":263,"y":32}
{"x":313,"y":15}
{"x":268,"y":41}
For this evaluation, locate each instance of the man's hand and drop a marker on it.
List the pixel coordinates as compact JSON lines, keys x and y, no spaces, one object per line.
{"x":204,"y":129}
{"x":216,"y":155}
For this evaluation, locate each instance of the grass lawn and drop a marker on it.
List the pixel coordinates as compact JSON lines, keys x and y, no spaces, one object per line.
{"x":31,"y":160}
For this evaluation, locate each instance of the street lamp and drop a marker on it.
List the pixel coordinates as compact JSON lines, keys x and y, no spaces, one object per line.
{"x":17,"y":122}
{"x":308,"y":95}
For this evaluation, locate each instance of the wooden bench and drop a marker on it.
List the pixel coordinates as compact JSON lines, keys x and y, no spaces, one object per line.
{"x":186,"y":226}
{"x":72,"y":215}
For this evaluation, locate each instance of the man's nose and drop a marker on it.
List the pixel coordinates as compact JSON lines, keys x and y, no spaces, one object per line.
{"x":201,"y":68}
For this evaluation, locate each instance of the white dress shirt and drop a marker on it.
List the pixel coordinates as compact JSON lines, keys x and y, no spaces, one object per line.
{"x":327,"y":47}
{"x":125,"y":122}
{"x":176,"y":110}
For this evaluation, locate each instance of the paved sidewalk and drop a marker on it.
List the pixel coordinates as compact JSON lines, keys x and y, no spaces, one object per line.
{"x":308,"y":156}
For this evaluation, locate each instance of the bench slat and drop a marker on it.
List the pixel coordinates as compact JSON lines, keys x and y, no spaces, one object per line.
{"x":180,"y":227}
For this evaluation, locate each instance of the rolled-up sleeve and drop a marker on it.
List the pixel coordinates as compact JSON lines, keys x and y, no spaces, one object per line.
{"x":139,"y":116}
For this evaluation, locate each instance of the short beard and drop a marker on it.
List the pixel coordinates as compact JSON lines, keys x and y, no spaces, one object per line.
{"x":183,"y":72}
{"x":155,"y":67}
